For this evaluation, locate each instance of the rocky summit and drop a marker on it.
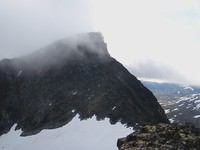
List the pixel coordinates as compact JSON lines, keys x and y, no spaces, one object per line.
{"x":162,"y":137}
{"x":77,"y":75}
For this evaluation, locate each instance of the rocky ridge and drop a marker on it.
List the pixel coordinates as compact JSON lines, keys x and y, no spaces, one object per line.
{"x":162,"y":136}
{"x":46,"y":89}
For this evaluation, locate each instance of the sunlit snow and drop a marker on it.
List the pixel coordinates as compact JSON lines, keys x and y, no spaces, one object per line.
{"x":74,"y":93}
{"x":171,"y":120}
{"x":167,"y":111}
{"x":19,"y":73}
{"x":197,"y":116}
{"x":113,"y":108}
{"x":181,"y":105}
{"x":188,"y":87}
{"x":176,"y":109}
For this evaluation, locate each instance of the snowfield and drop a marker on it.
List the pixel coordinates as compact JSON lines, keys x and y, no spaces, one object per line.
{"x":85,"y":135}
{"x":197,"y":116}
{"x":167,"y":111}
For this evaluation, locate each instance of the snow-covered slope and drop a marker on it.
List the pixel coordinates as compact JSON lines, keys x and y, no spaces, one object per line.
{"x":184,"y":109}
{"x":87,"y":134}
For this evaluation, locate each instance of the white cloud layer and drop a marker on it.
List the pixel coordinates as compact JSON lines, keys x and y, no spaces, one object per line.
{"x":164,"y":31}
{"x":27,"y":25}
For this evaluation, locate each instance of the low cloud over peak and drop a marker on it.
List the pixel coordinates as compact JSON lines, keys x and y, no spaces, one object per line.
{"x":29,"y":25}
{"x":151,"y":70}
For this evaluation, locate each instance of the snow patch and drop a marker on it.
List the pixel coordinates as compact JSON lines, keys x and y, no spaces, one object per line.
{"x":197,"y":116}
{"x":113,"y":108}
{"x":74,"y":93}
{"x":85,"y":135}
{"x":176,"y":109}
{"x":188,"y":107}
{"x":171,"y":120}
{"x":167,"y":111}
{"x":181,"y":105}
{"x":19,"y":73}
{"x":188,"y":88}
{"x":197,"y":101}
{"x":197,"y":107}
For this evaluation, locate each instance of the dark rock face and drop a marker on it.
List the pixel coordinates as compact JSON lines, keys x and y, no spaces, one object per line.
{"x":48,"y":88}
{"x":162,"y":136}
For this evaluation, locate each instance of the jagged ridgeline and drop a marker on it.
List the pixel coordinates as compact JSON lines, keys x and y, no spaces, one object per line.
{"x":46,"y":89}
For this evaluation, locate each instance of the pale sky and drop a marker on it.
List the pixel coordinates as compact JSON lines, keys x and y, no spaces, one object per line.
{"x":164,"y":32}
{"x":146,"y":36}
{"x":27,"y":25}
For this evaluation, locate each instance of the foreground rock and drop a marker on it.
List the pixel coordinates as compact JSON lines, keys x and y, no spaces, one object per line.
{"x":162,"y":136}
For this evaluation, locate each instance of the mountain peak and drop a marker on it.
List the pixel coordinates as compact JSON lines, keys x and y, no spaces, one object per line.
{"x":84,"y":47}
{"x":92,"y":42}
{"x":87,"y":47}
{"x":46,"y":89}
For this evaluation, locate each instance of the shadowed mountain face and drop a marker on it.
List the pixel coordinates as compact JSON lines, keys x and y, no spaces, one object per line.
{"x":48,"y":88}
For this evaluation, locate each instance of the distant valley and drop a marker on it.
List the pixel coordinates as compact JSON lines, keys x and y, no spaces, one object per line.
{"x":181,"y":103}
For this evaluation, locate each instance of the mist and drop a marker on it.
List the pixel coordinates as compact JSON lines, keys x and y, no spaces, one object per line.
{"x":154,"y":71}
{"x":164,"y":32}
{"x":29,"y":25}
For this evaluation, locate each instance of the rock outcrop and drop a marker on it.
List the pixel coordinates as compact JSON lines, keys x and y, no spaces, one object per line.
{"x":46,"y":89}
{"x":162,"y":136}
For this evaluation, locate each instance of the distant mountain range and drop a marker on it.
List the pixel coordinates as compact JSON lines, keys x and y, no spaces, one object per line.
{"x":181,"y":103}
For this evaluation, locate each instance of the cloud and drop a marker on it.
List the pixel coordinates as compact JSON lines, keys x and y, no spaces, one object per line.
{"x":164,"y":31}
{"x":151,"y":70}
{"x":27,"y":25}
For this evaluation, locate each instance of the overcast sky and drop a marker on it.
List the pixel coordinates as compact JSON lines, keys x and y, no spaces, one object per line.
{"x":165,"y":33}
{"x":27,"y":25}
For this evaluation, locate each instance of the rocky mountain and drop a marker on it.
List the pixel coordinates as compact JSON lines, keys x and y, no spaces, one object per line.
{"x":181,"y":103}
{"x":162,"y":136}
{"x":47,"y":89}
